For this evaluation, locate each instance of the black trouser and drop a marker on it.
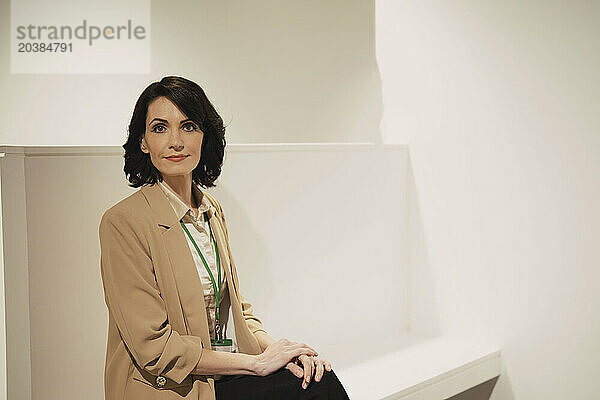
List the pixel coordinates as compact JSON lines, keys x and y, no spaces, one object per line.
{"x":281,"y":384}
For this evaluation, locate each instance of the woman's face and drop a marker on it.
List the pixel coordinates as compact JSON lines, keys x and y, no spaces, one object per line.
{"x":169,"y":132}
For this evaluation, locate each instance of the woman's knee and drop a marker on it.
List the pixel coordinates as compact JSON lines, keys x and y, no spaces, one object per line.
{"x":329,"y":376}
{"x":330,"y":379}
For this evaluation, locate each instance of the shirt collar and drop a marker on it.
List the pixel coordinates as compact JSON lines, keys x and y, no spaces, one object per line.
{"x":180,"y":208}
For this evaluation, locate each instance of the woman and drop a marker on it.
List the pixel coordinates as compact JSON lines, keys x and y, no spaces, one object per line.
{"x":169,"y":277}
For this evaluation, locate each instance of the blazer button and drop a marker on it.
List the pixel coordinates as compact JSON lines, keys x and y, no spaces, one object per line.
{"x":160,"y":381}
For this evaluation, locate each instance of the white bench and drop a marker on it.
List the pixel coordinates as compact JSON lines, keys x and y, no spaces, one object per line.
{"x":419,"y":368}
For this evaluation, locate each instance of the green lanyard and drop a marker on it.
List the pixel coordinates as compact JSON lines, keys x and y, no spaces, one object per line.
{"x":217,"y":289}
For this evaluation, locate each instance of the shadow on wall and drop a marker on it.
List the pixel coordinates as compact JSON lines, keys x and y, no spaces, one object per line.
{"x":423,"y":314}
{"x":479,"y":392}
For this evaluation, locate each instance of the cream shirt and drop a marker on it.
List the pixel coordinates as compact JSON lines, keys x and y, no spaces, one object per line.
{"x":199,"y":229}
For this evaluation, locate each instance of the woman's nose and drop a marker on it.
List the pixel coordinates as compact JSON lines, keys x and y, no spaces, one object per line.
{"x":175,"y":139}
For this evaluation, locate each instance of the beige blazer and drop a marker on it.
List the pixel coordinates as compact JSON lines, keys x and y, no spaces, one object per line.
{"x":157,"y":326}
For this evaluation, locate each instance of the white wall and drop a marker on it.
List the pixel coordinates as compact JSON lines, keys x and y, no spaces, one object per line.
{"x":3,"y":385}
{"x":321,"y":241}
{"x":15,"y":299}
{"x":276,"y":71}
{"x":499,"y":104}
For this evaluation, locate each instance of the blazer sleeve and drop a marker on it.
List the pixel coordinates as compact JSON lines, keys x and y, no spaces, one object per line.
{"x":253,"y":322}
{"x":134,"y":300}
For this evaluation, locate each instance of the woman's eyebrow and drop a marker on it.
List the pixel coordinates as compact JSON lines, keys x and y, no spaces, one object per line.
{"x":158,"y":119}
{"x":167,"y":122}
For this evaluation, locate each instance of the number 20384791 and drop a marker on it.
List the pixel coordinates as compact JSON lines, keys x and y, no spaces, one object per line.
{"x":52,"y":47}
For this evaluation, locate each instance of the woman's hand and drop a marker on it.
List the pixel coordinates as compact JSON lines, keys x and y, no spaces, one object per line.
{"x":309,"y":365}
{"x":279,"y":353}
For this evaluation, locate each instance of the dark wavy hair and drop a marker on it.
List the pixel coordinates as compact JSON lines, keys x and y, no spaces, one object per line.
{"x":192,"y":101}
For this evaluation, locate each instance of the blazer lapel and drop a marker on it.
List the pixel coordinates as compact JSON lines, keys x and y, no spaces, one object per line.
{"x":183,"y":267}
{"x":215,"y":223}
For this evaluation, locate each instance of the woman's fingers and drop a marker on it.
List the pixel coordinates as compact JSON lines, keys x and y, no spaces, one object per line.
{"x":310,"y":366}
{"x":298,"y":351}
{"x":307,"y":362}
{"x":304,"y":349}
{"x":295,"y":369}
{"x":319,"y":369}
{"x":310,"y":348}
{"x":296,"y":344}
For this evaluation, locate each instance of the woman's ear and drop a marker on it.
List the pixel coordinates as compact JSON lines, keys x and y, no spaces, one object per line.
{"x":143,"y":145}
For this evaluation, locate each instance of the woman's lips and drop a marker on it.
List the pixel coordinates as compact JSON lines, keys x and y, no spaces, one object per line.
{"x":176,"y":159}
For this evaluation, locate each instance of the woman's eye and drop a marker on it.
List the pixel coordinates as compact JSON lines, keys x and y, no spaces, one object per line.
{"x":157,"y":127}
{"x":189,"y":127}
